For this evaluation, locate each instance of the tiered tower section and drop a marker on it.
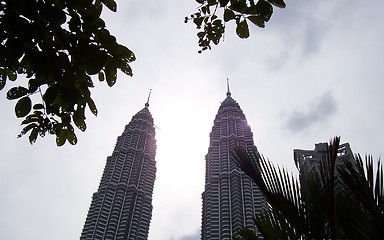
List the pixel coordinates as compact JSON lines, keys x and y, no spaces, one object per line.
{"x":231,"y":198}
{"x":121,"y":209}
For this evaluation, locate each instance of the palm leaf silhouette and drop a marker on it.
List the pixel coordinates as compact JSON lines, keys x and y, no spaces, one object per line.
{"x":316,"y":209}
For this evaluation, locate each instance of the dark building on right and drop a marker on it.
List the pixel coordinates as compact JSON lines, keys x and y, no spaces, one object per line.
{"x":308,"y":161}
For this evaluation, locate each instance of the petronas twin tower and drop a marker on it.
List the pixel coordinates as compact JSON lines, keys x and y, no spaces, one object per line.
{"x":230,"y":198}
{"x":121,"y":209}
{"x":122,"y":206}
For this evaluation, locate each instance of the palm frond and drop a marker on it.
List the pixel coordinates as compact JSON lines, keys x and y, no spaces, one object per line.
{"x":314,"y":205}
{"x":363,"y":197}
{"x":316,"y":209}
{"x":327,"y":178}
{"x":280,"y":189}
{"x":272,"y":225}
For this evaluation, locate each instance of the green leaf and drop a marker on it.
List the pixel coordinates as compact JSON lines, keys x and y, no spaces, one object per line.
{"x":111,"y":4}
{"x":70,"y":135}
{"x":278,"y":3}
{"x":3,"y":80}
{"x":12,"y":76}
{"x":105,"y":37}
{"x":201,"y":34}
{"x":16,"y":92}
{"x":74,"y":24}
{"x":54,"y":15}
{"x":228,"y":15}
{"x":239,"y":5}
{"x":198,"y":21}
{"x":26,"y":129}
{"x":101,"y":76}
{"x":23,"y":107}
{"x":203,"y":10}
{"x":34,"y":84}
{"x":98,"y":9}
{"x":212,"y":2}
{"x":257,"y":20}
{"x":125,"y":68}
{"x":30,"y":119}
{"x":253,"y":9}
{"x":97,"y":63}
{"x":79,"y":122}
{"x":38,"y":106}
{"x":265,"y":9}
{"x":111,"y":73}
{"x":223,"y":3}
{"x":242,"y":29}
{"x":60,"y":137}
{"x":92,"y":106}
{"x":38,"y":113}
{"x":120,"y":51}
{"x":33,"y":136}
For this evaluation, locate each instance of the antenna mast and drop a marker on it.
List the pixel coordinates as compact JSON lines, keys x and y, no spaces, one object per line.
{"x":149,"y":95}
{"x":228,"y":92}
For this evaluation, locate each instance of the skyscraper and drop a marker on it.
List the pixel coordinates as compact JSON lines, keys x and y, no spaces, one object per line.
{"x":121,"y":209}
{"x":309,"y":161}
{"x":231,"y":198}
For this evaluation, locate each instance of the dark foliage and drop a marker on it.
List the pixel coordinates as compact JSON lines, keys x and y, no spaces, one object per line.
{"x":57,"y":45}
{"x":316,"y":210}
{"x":212,"y":15}
{"x":52,"y":48}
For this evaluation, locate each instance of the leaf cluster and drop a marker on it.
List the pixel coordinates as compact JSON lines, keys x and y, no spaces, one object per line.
{"x":242,"y":12}
{"x":315,"y":208}
{"x":57,"y":45}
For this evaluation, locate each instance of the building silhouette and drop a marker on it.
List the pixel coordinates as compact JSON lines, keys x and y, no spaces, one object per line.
{"x":308,"y":161}
{"x":230,"y":199}
{"x":121,"y":209}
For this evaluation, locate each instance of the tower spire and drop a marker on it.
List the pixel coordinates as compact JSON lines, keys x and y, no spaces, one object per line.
{"x":149,"y":95}
{"x":228,"y":92}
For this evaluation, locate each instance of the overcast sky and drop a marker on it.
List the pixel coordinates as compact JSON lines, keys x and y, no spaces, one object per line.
{"x":313,"y":73}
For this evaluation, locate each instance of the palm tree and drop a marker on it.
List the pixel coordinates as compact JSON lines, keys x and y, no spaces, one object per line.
{"x":360,"y":206}
{"x":315,"y":209}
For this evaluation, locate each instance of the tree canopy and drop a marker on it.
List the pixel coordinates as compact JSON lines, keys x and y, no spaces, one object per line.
{"x":55,"y":49}
{"x":57,"y":45}
{"x":212,"y":15}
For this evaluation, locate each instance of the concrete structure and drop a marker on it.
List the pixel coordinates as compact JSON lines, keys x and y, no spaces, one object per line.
{"x":121,"y":209}
{"x":309,"y":160}
{"x":230,"y":198}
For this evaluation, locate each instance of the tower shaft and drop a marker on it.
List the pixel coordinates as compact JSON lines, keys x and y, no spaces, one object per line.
{"x":122,"y":206}
{"x":231,"y":198}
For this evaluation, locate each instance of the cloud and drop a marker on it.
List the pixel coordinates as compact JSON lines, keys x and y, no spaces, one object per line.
{"x":302,"y":31}
{"x":320,"y":109}
{"x":193,"y":236}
